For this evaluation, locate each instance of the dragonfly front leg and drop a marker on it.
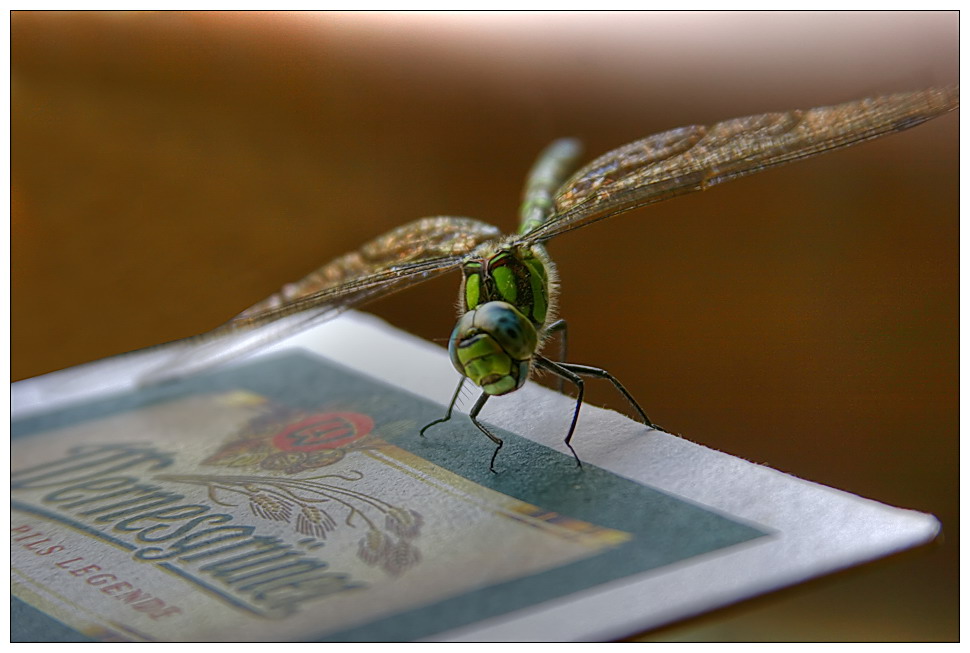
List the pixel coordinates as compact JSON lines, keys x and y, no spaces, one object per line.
{"x":451,"y":407}
{"x":476,"y":409}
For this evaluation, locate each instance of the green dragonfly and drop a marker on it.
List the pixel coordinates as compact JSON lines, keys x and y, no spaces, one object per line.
{"x":509,"y":283}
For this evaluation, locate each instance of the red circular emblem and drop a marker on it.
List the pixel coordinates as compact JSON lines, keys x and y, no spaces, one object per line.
{"x":323,"y":431}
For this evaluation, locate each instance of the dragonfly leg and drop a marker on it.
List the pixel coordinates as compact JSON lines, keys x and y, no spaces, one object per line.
{"x":476,"y":409}
{"x":563,"y":372}
{"x":599,"y":373}
{"x":559,"y":326}
{"x":451,"y":407}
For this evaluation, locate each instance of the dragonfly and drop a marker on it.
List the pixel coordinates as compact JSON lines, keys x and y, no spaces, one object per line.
{"x":509,"y":284}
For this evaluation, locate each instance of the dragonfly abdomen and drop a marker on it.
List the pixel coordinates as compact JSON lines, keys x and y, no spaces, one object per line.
{"x":550,"y":171}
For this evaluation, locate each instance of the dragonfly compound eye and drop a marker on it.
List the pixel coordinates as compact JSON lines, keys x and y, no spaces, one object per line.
{"x":492,"y":345}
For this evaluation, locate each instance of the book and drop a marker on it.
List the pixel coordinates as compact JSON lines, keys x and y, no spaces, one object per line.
{"x":290,"y":496}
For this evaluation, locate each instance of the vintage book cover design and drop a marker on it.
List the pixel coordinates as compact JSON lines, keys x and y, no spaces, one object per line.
{"x":292,"y":499}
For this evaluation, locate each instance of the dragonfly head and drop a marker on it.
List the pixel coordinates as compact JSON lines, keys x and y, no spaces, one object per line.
{"x":492,"y":345}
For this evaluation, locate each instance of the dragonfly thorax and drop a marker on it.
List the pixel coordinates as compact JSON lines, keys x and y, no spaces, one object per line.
{"x":493,"y":346}
{"x":513,"y":273}
{"x":505,"y":303}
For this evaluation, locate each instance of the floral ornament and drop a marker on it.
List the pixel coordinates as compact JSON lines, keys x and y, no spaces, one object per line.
{"x":317,"y":506}
{"x":286,"y":440}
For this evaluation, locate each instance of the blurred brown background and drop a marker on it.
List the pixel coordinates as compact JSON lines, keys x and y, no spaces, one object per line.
{"x":169,"y":169}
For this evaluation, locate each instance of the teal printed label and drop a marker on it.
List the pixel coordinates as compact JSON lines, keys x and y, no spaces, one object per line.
{"x":293,"y":499}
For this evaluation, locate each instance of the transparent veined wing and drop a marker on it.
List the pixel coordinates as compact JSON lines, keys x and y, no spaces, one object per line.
{"x":401,"y":258}
{"x":693,"y":158}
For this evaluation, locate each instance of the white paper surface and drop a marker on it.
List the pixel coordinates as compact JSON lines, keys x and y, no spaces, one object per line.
{"x":815,"y":529}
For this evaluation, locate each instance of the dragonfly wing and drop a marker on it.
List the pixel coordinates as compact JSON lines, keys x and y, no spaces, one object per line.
{"x":693,"y":158}
{"x":401,"y":258}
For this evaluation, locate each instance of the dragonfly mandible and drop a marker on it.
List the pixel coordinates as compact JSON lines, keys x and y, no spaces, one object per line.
{"x":509,"y":283}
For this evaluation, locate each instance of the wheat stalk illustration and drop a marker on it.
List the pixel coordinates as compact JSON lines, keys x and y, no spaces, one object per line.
{"x":313,"y":505}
